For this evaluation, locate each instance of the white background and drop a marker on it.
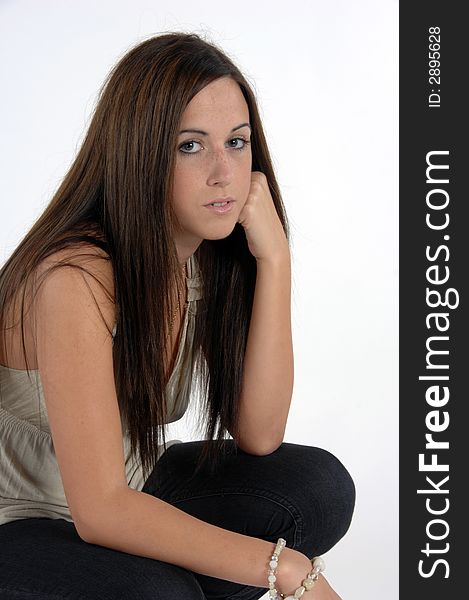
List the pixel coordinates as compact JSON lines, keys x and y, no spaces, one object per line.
{"x":326,"y":76}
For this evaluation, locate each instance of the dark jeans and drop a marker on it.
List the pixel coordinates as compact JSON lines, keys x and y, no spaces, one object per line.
{"x":301,"y":493}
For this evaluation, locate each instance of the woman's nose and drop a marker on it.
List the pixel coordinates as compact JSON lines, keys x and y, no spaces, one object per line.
{"x":220,"y":171}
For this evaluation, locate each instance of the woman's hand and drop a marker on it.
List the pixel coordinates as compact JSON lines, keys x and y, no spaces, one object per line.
{"x":323,"y":591}
{"x":264,"y":232}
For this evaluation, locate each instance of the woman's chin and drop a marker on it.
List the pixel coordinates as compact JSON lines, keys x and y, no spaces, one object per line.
{"x":219,"y":233}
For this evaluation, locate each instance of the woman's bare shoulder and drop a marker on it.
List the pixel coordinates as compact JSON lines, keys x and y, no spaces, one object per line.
{"x":89,"y":260}
{"x":76,"y":277}
{"x":79,"y":254}
{"x":70,"y":275}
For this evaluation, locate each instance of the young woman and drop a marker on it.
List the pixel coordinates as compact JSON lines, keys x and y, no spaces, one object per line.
{"x":159,"y":272}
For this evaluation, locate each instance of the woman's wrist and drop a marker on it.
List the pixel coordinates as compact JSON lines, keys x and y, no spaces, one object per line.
{"x":280,"y":256}
{"x":293,"y":567}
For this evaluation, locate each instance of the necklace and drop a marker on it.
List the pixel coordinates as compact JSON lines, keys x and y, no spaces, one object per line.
{"x":171,"y":324}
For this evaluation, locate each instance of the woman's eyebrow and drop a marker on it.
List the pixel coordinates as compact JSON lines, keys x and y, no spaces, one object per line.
{"x":200,"y":132}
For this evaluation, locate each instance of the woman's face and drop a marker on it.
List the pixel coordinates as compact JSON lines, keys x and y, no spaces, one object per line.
{"x":213,"y":162}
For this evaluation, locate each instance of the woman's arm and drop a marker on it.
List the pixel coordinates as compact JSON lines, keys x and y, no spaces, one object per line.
{"x":138,"y":523}
{"x":74,"y":352}
{"x":268,"y":370}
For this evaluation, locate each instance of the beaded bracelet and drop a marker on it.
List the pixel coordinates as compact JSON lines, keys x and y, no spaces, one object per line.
{"x":306,"y":584}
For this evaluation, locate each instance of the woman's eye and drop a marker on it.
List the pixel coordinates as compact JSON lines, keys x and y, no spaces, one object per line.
{"x":188,"y":147}
{"x":239,"y":139}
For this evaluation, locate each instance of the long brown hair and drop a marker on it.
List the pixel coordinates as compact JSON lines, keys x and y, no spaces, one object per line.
{"x":120,"y":185}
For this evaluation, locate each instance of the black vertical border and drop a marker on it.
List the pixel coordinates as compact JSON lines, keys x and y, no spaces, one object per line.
{"x":423,"y":129}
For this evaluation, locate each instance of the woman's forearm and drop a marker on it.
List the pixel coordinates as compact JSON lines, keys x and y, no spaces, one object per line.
{"x":138,"y":523}
{"x":268,"y":365}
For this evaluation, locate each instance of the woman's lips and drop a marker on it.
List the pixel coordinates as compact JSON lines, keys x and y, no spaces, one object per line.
{"x":221,"y":205}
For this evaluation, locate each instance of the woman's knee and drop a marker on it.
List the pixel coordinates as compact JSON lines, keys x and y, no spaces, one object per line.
{"x":331,"y":499}
{"x":342,"y":485}
{"x":310,"y":484}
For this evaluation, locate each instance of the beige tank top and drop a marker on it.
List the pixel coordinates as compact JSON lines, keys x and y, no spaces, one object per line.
{"x":30,"y":481}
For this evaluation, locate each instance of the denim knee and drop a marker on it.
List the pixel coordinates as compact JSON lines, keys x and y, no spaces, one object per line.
{"x":329,"y":502}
